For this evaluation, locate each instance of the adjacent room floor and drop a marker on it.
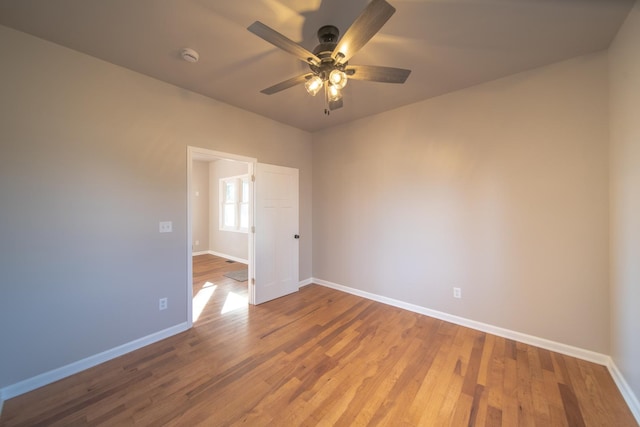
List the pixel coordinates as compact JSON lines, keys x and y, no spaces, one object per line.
{"x":324,"y":357}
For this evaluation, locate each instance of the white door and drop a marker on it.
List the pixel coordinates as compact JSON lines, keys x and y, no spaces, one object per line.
{"x":276,"y":232}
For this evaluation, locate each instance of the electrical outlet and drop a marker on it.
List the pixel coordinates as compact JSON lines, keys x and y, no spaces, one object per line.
{"x":166,"y":226}
{"x":197,"y":242}
{"x":163,"y":303}
{"x":457,"y":293}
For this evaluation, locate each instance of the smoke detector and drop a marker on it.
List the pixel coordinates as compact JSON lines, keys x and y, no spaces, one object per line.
{"x":189,"y":55}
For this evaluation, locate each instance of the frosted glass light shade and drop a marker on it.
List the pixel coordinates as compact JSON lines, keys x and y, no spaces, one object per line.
{"x":338,"y":78}
{"x":333,"y":93}
{"x":313,"y":85}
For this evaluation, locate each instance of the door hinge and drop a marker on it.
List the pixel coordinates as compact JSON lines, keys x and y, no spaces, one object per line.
{"x":253,"y":228}
{"x":253,"y":281}
{"x":253,"y":178}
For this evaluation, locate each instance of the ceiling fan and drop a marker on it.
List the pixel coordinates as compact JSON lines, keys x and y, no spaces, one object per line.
{"x":329,"y":60}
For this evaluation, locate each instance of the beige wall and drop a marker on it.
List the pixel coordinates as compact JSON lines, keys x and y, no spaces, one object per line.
{"x":200,"y":206}
{"x":225,"y":242}
{"x":92,"y":157}
{"x":500,"y":189}
{"x":625,"y":199}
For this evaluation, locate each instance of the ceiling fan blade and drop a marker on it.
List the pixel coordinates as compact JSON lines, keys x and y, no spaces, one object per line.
{"x":275,"y":38}
{"x":375,"y":73}
{"x":370,"y":21}
{"x":286,"y":84}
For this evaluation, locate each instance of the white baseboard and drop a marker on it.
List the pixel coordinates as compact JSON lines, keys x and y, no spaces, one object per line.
{"x":305,"y":282}
{"x":199,"y":253}
{"x":231,"y":257}
{"x":625,"y":390}
{"x":89,"y":362}
{"x":580,"y":353}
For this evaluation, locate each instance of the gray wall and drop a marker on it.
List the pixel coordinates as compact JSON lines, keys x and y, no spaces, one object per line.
{"x":200,"y":206}
{"x":222,"y":241}
{"x":625,"y":199}
{"x":500,"y":189}
{"x":92,"y":157}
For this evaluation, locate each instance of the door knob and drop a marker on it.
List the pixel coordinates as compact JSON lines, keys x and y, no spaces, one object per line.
{"x":296,"y":236}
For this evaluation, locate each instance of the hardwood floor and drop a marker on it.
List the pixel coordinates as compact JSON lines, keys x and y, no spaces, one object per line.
{"x":323,"y":357}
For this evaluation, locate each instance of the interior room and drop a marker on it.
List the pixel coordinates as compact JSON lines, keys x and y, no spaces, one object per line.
{"x":461,"y":249}
{"x":220,"y":232}
{"x":219,"y":185}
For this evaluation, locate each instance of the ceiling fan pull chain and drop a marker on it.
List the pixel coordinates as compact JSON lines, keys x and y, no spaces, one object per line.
{"x":327,"y":111}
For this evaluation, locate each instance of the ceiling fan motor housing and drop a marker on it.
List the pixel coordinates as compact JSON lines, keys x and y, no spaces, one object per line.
{"x":328,"y":38}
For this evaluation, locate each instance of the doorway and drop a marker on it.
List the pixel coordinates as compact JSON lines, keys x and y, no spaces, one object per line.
{"x":232,"y":234}
{"x":271,"y":225}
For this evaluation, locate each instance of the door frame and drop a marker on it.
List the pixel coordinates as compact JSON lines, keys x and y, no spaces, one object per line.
{"x":204,"y":154}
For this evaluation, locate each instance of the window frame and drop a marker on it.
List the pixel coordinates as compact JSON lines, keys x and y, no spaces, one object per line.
{"x":238,"y":199}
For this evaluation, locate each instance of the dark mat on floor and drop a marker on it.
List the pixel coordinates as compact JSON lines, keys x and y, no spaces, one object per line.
{"x":239,"y":275}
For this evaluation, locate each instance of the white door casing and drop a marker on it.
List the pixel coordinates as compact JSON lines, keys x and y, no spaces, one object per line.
{"x":276,"y":232}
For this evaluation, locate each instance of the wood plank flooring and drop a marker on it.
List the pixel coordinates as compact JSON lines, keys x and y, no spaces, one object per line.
{"x":323,"y":357}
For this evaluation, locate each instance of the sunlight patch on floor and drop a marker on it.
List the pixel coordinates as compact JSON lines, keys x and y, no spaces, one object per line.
{"x":234,"y":302}
{"x":202,"y":298}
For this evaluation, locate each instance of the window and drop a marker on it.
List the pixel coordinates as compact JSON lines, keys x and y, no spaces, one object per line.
{"x":234,"y":203}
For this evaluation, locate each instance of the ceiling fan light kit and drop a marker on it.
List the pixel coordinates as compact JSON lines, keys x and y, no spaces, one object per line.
{"x":329,"y":60}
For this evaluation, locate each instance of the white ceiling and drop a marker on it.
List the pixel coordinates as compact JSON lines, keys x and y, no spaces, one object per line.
{"x":448,"y":44}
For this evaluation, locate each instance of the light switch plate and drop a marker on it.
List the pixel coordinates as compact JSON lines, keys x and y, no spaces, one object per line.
{"x":166,"y":226}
